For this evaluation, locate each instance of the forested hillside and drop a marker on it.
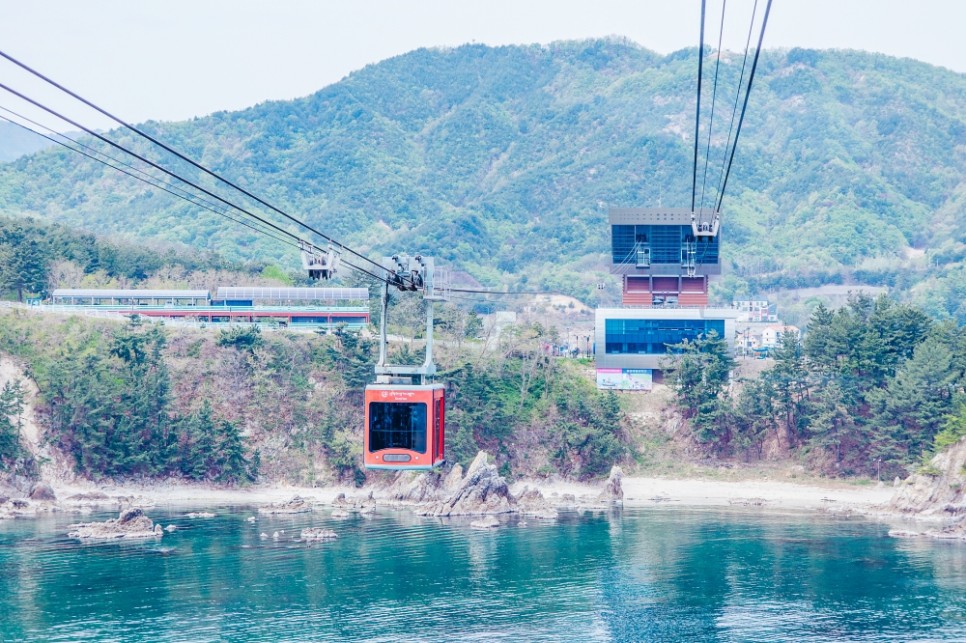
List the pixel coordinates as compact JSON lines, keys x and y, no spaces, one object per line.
{"x":136,"y":400}
{"x":875,"y":388}
{"x":503,"y":161}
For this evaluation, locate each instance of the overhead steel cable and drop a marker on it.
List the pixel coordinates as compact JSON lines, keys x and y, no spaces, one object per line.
{"x":229,"y":204}
{"x":145,"y":177}
{"x":160,"y":185}
{"x":744,"y":106}
{"x":734,"y":109}
{"x":714,"y":94}
{"x":181,"y":156}
{"x":174,"y":175}
{"x":697,"y":116}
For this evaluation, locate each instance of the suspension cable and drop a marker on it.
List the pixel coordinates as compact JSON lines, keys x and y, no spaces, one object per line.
{"x":714,"y":94}
{"x":697,"y":116}
{"x":171,"y":174}
{"x":751,"y":78}
{"x":170,"y":189}
{"x":188,"y":160}
{"x":734,"y":109}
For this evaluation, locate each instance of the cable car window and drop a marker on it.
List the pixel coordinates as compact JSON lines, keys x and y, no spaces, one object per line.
{"x":397,"y":425}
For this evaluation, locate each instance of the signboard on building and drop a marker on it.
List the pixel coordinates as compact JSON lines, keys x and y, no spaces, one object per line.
{"x":624,"y":379}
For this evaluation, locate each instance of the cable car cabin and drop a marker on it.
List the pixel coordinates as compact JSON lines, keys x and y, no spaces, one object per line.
{"x":405,"y":426}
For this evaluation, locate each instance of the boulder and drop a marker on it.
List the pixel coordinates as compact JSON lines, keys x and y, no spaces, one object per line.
{"x":955,"y":531}
{"x":131,"y":523}
{"x":613,"y":491}
{"x":296,"y":505}
{"x":489,"y":522}
{"x":200,"y":514}
{"x":43,"y":492}
{"x":365,"y":505}
{"x":531,"y":502}
{"x":317,"y":534}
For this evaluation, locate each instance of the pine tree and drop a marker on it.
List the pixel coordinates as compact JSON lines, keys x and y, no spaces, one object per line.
{"x":11,"y":410}
{"x":25,"y":268}
{"x":699,"y":373}
{"x":196,"y":444}
{"x":232,"y":463}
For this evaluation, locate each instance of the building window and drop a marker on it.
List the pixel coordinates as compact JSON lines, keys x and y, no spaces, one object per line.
{"x":653,"y":336}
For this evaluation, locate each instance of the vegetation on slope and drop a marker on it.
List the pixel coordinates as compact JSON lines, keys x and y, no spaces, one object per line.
{"x":872,"y":388}
{"x":36,"y":257}
{"x":142,"y":401}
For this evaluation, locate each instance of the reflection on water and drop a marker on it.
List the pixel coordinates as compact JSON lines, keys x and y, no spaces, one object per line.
{"x":641,"y":575}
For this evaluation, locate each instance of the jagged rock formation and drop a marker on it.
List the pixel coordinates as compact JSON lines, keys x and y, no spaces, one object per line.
{"x":131,"y":523}
{"x":297,"y":505}
{"x":317,"y":534}
{"x":481,"y":491}
{"x":941,"y":493}
{"x":613,"y":491}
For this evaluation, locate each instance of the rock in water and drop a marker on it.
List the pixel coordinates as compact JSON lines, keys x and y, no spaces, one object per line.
{"x":489,"y":522}
{"x":613,"y":490}
{"x":413,"y":486}
{"x":481,"y":491}
{"x":43,"y":492}
{"x":531,"y":502}
{"x":131,"y":523}
{"x":365,"y":505}
{"x":296,"y":505}
{"x":318,"y":534}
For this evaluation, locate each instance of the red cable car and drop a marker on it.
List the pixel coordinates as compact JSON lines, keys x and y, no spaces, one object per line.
{"x":405,"y":421}
{"x":404,"y":426}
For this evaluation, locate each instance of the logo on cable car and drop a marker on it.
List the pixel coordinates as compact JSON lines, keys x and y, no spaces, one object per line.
{"x":397,"y":395}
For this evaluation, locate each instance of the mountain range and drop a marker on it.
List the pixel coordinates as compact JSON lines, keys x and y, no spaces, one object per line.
{"x":503,"y":162}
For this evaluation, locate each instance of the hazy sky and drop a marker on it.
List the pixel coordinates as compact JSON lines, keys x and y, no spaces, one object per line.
{"x":173,"y":59}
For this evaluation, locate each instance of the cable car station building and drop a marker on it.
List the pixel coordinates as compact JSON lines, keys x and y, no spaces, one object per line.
{"x":665,"y":260}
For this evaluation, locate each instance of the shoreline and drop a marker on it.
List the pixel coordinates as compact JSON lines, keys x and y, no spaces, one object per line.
{"x":638,"y":492}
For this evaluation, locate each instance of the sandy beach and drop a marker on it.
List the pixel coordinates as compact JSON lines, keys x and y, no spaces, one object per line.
{"x":638,"y":492}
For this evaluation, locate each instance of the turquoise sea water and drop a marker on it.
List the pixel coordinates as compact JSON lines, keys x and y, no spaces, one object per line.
{"x":635,"y":575}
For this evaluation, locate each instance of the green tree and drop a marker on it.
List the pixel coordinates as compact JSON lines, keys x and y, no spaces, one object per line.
{"x":916,"y":401}
{"x":24,"y":268}
{"x":788,"y":381}
{"x":231,"y":462}
{"x":11,"y":423}
{"x":196,"y":443}
{"x":243,"y":338}
{"x":754,"y":416}
{"x":699,"y":372}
